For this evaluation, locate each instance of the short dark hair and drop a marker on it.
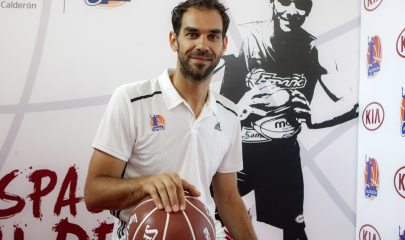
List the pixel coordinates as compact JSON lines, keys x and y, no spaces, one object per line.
{"x":179,"y":10}
{"x":307,"y":9}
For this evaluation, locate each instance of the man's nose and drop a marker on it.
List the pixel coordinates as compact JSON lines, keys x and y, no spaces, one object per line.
{"x":202,"y":43}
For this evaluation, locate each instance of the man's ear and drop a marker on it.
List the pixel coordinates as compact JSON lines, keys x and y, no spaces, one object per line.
{"x":173,"y":41}
{"x":224,"y":45}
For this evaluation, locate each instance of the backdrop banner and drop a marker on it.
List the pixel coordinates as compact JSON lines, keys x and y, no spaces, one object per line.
{"x":291,"y":66}
{"x":381,"y":165}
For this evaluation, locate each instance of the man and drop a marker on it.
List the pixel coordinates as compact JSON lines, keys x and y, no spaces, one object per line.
{"x":273,"y":80}
{"x":163,"y":136}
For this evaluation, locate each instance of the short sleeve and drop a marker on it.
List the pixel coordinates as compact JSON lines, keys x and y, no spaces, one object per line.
{"x":232,"y":161}
{"x":115,"y":134}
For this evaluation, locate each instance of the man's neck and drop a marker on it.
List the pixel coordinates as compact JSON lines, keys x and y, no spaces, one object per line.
{"x":194,"y":92}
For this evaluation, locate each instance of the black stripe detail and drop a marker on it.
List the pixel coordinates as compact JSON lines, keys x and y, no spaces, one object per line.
{"x":123,"y":171}
{"x":121,"y":229}
{"x":227,"y":108}
{"x":145,"y":96}
{"x":115,"y":213}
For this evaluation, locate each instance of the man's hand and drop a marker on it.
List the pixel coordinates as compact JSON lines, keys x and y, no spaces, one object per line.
{"x":167,"y":191}
{"x":262,"y":101}
{"x":301,"y":107}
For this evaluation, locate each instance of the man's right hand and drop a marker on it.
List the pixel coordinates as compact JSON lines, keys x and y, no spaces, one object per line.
{"x":262,"y":101}
{"x":167,"y":191}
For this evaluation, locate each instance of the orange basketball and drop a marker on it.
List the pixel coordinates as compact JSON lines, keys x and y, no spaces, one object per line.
{"x":149,"y":222}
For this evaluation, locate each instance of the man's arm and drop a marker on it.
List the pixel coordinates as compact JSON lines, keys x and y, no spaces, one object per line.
{"x":337,"y":86}
{"x":106,"y":190}
{"x":230,"y":206}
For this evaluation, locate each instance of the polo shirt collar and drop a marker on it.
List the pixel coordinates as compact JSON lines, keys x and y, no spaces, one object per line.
{"x":172,"y":98}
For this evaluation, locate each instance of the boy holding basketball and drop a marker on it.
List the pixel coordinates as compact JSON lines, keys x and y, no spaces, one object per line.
{"x":172,"y":134}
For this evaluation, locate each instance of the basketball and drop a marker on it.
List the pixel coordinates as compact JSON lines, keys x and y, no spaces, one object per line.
{"x":276,"y":126}
{"x":149,"y":222}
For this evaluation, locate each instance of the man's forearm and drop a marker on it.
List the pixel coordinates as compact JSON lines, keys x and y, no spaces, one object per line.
{"x":108,"y":193}
{"x":235,"y":217}
{"x":353,"y":113}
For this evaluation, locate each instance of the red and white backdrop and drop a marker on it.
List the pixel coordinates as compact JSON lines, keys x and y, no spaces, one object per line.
{"x":381,"y":163}
{"x":61,"y":60}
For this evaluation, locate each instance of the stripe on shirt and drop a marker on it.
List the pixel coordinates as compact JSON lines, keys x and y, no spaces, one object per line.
{"x":227,"y":108}
{"x":145,"y":96}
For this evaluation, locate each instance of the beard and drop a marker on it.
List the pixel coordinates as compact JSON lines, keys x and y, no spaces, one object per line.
{"x":198,"y":72}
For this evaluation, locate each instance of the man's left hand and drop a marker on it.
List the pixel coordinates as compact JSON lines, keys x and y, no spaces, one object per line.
{"x":301,"y":107}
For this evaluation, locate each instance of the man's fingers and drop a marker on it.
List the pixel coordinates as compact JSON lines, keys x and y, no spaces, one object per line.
{"x":156,"y":198}
{"x":167,"y":191}
{"x":191,"y":188}
{"x":173,"y":184}
{"x":164,"y":196}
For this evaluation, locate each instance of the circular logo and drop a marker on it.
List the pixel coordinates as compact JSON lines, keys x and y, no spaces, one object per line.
{"x":373,"y":116}
{"x":300,"y":218}
{"x":399,"y":181}
{"x":368,"y":232}
{"x":371,"y":5}
{"x":401,"y":44}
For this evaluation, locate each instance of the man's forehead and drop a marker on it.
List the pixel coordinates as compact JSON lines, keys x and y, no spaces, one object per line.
{"x":195,"y":19}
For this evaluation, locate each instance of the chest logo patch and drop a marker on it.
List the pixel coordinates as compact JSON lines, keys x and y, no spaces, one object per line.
{"x":157,"y":122}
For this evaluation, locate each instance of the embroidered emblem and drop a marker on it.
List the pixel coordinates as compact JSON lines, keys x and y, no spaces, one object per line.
{"x":157,"y":122}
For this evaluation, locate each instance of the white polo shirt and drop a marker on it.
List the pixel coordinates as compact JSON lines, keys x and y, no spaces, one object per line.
{"x":151,"y":127}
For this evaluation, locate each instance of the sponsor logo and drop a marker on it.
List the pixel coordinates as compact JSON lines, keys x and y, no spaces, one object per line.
{"x":373,"y":116}
{"x":157,"y":122}
{"x":401,"y":44}
{"x":249,"y":135}
{"x":401,"y":235}
{"x":300,"y":218}
{"x":368,"y":232}
{"x":399,"y":181}
{"x":402,"y":114}
{"x":105,"y":3}
{"x":374,"y":55}
{"x":150,"y":234}
{"x":259,"y":78}
{"x":371,"y":178}
{"x":18,"y":5}
{"x":371,"y":5}
{"x":206,"y":234}
{"x":218,"y":126}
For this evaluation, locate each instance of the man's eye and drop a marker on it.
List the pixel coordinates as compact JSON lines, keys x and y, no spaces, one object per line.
{"x":192,"y":35}
{"x":215,"y":36}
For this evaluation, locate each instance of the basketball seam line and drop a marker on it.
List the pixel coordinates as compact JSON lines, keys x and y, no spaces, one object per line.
{"x":189,"y":224}
{"x":143,"y":221}
{"x":212,"y":227}
{"x":167,"y":224}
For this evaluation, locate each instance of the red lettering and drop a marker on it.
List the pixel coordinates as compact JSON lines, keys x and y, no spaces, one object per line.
{"x":373,"y":116}
{"x":364,"y":235}
{"x":377,"y":118}
{"x":101,"y":231}
{"x":368,"y":121}
{"x":371,"y":2}
{"x":18,"y":233}
{"x":20,"y":203}
{"x":401,"y":182}
{"x":70,"y":182}
{"x":64,"y":227}
{"x":39,"y":192}
{"x":402,"y":43}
